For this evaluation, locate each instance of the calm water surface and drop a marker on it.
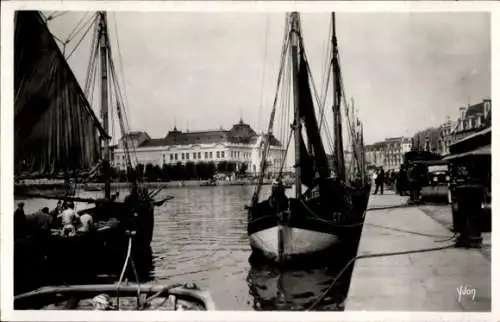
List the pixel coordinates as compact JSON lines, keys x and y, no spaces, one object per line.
{"x":200,"y":236}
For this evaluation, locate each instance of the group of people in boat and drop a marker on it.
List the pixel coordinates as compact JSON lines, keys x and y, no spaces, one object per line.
{"x":63,"y":219}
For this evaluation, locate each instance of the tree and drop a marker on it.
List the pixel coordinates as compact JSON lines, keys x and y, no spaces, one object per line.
{"x":166,"y":172}
{"x":140,"y":170}
{"x":178,"y":171}
{"x":149,"y":172}
{"x":221,"y":167}
{"x":210,"y":169}
{"x":231,"y":166}
{"x":243,"y":169}
{"x":157,"y":172}
{"x":190,"y":171}
{"x":201,"y":170}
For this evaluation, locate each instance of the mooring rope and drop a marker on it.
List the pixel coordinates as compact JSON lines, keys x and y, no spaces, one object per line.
{"x":423,"y":250}
{"x":127,"y":260}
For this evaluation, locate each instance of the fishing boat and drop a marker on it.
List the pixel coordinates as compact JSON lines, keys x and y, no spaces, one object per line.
{"x":58,"y":136}
{"x":111,"y":297}
{"x":332,"y":207}
{"x":119,"y":296}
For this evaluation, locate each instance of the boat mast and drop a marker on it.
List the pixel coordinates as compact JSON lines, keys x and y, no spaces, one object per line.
{"x":337,"y":121}
{"x":362,"y":148}
{"x":294,"y":16}
{"x":104,"y":98}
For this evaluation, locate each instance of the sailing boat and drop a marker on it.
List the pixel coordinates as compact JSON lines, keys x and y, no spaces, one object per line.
{"x":57,"y":135}
{"x":332,"y":208}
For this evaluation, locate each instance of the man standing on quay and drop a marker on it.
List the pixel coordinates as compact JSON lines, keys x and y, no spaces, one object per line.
{"x":379,"y":182}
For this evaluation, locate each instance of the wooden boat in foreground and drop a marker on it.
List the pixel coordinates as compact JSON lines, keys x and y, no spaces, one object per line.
{"x":112,"y":297}
{"x":332,"y":208}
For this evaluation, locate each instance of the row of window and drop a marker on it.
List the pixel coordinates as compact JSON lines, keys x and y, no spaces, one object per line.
{"x":206,"y":155}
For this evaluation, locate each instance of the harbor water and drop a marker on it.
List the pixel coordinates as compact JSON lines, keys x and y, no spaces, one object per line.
{"x":200,"y":237}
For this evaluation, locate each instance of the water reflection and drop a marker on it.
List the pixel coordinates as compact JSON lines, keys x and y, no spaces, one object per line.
{"x":295,"y":289}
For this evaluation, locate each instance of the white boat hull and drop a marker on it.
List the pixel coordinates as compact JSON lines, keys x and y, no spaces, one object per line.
{"x":296,"y":242}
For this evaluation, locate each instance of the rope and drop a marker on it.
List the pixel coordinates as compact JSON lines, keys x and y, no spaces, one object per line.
{"x":266,"y":36}
{"x":55,"y":15}
{"x":266,"y":147}
{"x":81,"y":39}
{"x":423,"y":250}
{"x":127,"y":260}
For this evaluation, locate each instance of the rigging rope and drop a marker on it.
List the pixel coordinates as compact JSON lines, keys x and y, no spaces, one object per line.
{"x":415,"y":251}
{"x":267,"y":137}
{"x":78,"y":28}
{"x":120,"y":65}
{"x":54,"y":15}
{"x":81,"y":39}
{"x":266,"y":32}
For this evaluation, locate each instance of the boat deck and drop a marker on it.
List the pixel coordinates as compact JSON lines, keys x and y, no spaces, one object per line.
{"x":426,"y":281}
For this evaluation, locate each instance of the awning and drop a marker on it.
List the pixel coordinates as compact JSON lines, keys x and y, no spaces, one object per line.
{"x":482,"y":132}
{"x":484,"y":150}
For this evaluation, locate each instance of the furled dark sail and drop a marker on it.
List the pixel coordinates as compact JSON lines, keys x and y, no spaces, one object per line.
{"x":307,"y":172}
{"x":306,"y":107}
{"x":55,"y":129}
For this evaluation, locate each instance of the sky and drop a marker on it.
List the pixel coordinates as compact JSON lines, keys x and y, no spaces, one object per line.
{"x":200,"y":71}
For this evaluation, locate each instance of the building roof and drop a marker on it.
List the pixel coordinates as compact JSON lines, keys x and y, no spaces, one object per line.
{"x":240,"y":133}
{"x":475,"y":110}
{"x":136,"y":134}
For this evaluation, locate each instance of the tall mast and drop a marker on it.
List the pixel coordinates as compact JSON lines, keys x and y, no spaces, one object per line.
{"x":294,"y":16}
{"x":362,"y":148}
{"x":337,"y":120}
{"x":103,"y":32}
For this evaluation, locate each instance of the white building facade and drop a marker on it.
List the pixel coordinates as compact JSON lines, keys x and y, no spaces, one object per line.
{"x":388,"y":153}
{"x":241,"y":145}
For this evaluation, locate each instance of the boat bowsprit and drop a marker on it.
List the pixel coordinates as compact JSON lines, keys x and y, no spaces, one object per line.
{"x":114,"y":297}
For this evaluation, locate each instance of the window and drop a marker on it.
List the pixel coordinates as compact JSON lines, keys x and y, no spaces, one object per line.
{"x":176,"y":156}
{"x":222,"y":154}
{"x":206,"y":155}
{"x":187,"y":156}
{"x":182,"y":156}
{"x":211,"y":156}
{"x":171,"y":156}
{"x":194,"y":155}
{"x":199,"y":155}
{"x":218,"y":154}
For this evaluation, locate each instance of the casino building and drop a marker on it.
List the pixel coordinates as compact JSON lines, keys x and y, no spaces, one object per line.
{"x":241,"y":144}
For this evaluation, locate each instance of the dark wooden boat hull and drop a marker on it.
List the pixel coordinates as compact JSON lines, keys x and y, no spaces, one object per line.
{"x":308,"y":228}
{"x":83,"y":256}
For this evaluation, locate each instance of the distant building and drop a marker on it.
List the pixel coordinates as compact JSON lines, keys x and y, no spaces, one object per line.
{"x":445,"y":137}
{"x":240,"y":144}
{"x":427,"y":140}
{"x":472,"y":119}
{"x":388,"y":153}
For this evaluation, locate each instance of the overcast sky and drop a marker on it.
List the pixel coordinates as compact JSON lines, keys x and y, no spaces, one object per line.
{"x":406,"y":71}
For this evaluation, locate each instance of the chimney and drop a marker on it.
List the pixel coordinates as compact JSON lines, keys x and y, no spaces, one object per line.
{"x":462,"y":112}
{"x":486,"y":106}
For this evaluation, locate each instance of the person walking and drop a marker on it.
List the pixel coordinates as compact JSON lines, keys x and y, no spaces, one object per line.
{"x":379,"y":182}
{"x":20,"y":222}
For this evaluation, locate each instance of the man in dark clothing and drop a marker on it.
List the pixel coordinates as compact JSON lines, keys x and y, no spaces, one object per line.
{"x":278,"y":199}
{"x":20,"y":223}
{"x":379,"y":182}
{"x":55,"y":213}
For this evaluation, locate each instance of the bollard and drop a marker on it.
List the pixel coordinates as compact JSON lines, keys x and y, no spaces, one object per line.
{"x":469,"y":199}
